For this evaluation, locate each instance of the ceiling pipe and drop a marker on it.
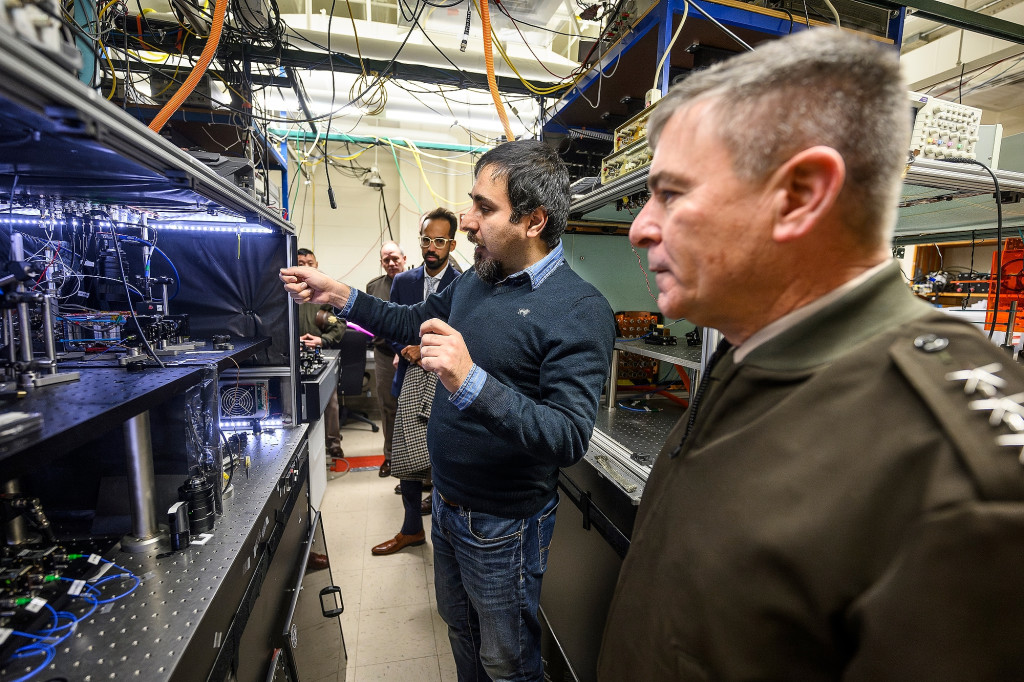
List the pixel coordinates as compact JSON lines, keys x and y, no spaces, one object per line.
{"x":418,"y":51}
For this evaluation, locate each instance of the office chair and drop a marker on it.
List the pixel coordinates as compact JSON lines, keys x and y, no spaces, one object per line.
{"x":352,"y":360}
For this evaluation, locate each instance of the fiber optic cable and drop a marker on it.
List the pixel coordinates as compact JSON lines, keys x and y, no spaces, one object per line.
{"x":438,"y":198}
{"x":402,"y":178}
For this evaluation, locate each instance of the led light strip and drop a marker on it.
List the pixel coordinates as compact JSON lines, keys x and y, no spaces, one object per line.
{"x":221,"y":226}
{"x":247,"y":424}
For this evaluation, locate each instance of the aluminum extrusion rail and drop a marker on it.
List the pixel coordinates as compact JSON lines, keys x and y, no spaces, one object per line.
{"x":44,"y":90}
{"x":960,"y":176}
{"x":627,"y":184}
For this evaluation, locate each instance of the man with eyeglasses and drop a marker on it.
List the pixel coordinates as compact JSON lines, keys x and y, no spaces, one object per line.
{"x":437,"y":239}
{"x":521,"y":346}
{"x":392,"y":259}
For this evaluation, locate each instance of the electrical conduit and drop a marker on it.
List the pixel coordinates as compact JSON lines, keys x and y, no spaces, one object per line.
{"x":492,"y":83}
{"x":212,"y":42}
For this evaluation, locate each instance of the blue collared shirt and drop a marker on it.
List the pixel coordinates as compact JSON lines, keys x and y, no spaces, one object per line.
{"x":474,"y":382}
{"x":537,"y":273}
{"x":352,"y":293}
{"x":542,"y":269}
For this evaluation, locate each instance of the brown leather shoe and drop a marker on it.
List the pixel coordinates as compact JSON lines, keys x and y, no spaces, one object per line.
{"x":425,"y":507}
{"x":317,"y":562}
{"x":397,"y":543}
{"x":385,"y":469}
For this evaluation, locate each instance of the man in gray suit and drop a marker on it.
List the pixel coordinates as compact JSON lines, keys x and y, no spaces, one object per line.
{"x":392,"y":259}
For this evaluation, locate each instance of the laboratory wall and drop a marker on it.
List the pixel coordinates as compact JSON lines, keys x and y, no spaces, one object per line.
{"x":347,"y":240}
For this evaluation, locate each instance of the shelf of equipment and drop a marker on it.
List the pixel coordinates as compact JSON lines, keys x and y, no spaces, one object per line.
{"x":108,"y":448}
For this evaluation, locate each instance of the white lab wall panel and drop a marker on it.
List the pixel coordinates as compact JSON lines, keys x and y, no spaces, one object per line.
{"x":347,"y":240}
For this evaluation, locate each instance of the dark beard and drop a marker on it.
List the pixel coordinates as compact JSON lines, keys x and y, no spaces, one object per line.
{"x":487,"y":269}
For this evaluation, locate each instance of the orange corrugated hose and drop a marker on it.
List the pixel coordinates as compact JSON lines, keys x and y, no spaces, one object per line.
{"x":492,"y":83}
{"x":219,"y":9}
{"x":684,"y":376}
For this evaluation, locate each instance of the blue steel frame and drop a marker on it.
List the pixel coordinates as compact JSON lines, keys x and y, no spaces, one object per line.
{"x":661,"y":17}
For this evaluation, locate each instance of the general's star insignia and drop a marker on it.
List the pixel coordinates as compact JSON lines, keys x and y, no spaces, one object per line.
{"x":981,"y":379}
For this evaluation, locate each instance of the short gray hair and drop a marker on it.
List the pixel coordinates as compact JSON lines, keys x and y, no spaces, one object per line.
{"x":818,"y":87}
{"x":392,"y":243}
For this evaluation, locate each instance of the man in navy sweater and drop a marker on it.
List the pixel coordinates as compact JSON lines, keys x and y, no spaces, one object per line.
{"x":521,"y":346}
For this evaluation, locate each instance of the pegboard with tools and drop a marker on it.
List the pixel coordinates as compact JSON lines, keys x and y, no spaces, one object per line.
{"x":638,"y":369}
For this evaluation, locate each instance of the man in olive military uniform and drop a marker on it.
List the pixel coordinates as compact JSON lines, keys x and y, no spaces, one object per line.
{"x":392,"y":259}
{"x":320,"y":327}
{"x":843,"y":499}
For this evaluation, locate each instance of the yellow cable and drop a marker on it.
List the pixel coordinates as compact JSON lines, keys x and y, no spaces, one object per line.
{"x":437,"y":197}
{"x":197,"y":72}
{"x":113,"y":76}
{"x":353,"y":156}
{"x":106,"y":7}
{"x":532,"y":88}
{"x":492,"y":83}
{"x":374,"y":98}
{"x":174,"y":75}
{"x":442,"y":158}
{"x":228,"y":86}
{"x":359,"y":52}
{"x":529,"y":86}
{"x":158,"y":60}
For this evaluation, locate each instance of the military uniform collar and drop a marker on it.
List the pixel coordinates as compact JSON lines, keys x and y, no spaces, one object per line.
{"x":880,"y":302}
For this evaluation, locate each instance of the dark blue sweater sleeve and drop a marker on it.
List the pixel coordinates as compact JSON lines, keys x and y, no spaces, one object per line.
{"x":401,"y":323}
{"x":395,"y":346}
{"x":557,"y":428}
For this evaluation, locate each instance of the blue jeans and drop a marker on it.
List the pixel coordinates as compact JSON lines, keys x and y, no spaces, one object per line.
{"x":488,"y":571}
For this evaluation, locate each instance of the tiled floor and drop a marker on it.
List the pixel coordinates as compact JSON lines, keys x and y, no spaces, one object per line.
{"x":391,"y":627}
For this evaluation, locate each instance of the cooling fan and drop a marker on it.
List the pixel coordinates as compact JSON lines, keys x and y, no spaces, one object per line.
{"x":250,"y":400}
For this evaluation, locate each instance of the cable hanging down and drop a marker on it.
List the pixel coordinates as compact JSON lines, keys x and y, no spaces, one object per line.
{"x":999,"y":244}
{"x":209,"y":50}
{"x":492,"y":83}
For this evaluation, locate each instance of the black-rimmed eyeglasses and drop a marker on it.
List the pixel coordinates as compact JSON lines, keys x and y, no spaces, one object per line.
{"x":439,"y":242}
